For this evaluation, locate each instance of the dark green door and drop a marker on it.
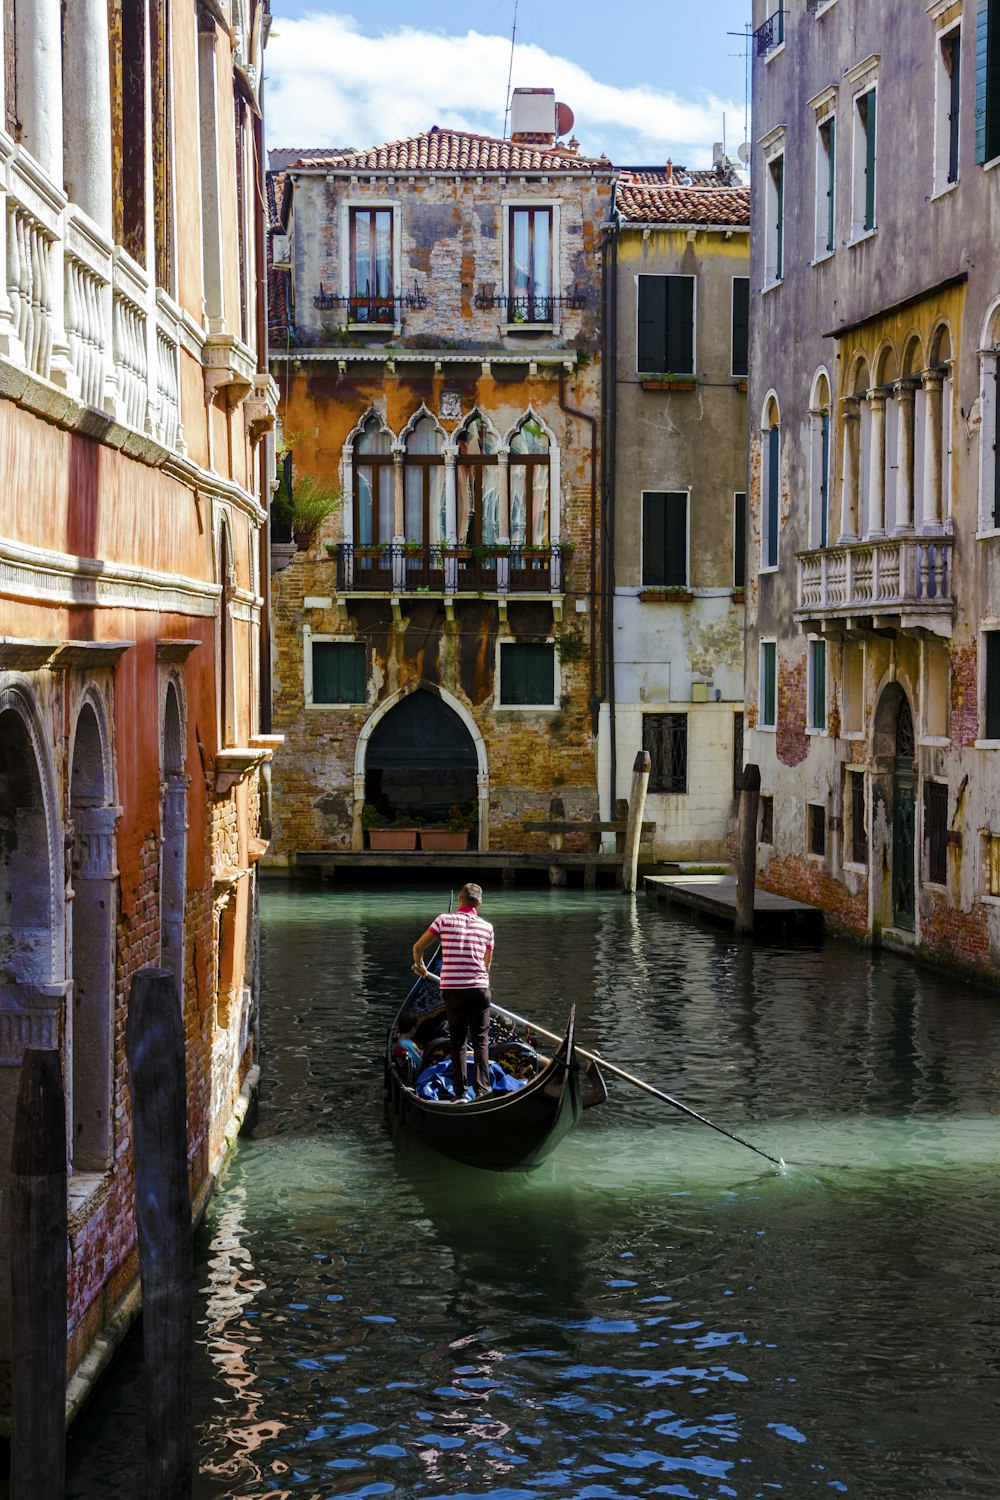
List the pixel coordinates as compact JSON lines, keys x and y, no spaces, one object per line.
{"x":902,"y":843}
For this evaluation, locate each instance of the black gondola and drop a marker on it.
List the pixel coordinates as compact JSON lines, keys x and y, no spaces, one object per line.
{"x":506,"y":1132}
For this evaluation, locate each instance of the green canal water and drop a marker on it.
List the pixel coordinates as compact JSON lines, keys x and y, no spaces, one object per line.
{"x":656,"y":1311}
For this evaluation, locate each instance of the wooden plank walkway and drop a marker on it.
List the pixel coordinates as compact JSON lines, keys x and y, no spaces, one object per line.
{"x":555,"y":865}
{"x":715,"y":896}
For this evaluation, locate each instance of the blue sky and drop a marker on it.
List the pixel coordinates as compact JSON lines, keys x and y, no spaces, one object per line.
{"x":645,"y":81}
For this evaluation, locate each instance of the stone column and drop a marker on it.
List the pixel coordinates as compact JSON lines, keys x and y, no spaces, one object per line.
{"x":90,"y":1024}
{"x":450,"y":455}
{"x":904,"y":393}
{"x":876,"y":465}
{"x":851,"y":418}
{"x":39,"y":95}
{"x":87,"y":145}
{"x":931,"y":510}
{"x":398,"y":495}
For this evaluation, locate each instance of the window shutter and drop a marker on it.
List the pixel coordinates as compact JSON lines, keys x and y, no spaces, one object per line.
{"x":824,"y":478}
{"x":832,"y":139}
{"x":819,"y":685}
{"x":339,"y":674}
{"x":741,"y":322}
{"x":675,"y":540}
{"x":527,"y":674}
{"x":955,"y":102}
{"x":992,"y":639}
{"x":680,"y":325}
{"x":988,"y":80}
{"x":779,"y":228}
{"x":654,"y":541}
{"x":767,"y":715}
{"x":652,"y":352}
{"x":740,"y":542}
{"x":773,"y":480}
{"x":870,"y":160}
{"x":996,"y":444}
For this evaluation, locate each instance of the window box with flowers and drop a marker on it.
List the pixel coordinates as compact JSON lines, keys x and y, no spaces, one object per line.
{"x":673,"y":595}
{"x":669,"y":383}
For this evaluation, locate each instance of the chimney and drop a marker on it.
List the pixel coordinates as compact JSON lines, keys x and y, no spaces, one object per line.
{"x":669,"y":173}
{"x":533,"y":117}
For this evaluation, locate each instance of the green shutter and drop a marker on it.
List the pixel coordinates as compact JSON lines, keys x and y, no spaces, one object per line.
{"x":773,"y":480}
{"x":680,"y":325}
{"x":741,"y":324}
{"x":740,"y":543}
{"x":664,"y":539}
{"x":818,"y":716}
{"x":988,"y":80}
{"x":778,"y":169}
{"x":652,"y":351}
{"x":527,"y":674}
{"x":767,"y":692}
{"x":992,"y":639}
{"x":339,"y":672}
{"x":870,"y":159}
{"x":832,"y":153}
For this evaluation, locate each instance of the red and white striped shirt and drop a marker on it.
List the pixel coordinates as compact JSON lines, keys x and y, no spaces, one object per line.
{"x":465,"y":940}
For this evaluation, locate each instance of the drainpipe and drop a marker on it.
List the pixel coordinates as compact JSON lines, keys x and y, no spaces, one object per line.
{"x":609,"y":369}
{"x":572,"y":411}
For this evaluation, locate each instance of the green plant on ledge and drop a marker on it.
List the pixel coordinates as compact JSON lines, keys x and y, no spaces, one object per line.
{"x":569,"y":643}
{"x":372,"y":818}
{"x":461,"y":816}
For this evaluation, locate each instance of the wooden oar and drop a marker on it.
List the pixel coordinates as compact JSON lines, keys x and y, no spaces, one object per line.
{"x":647,"y":1088}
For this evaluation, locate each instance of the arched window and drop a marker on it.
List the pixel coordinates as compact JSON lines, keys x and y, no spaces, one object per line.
{"x":770,"y":478}
{"x":819,"y":462}
{"x":989,"y":432}
{"x":478,"y":484}
{"x":373,"y":508}
{"x":941,"y":397}
{"x":859,"y":386}
{"x":423,"y":483}
{"x":529,"y":485}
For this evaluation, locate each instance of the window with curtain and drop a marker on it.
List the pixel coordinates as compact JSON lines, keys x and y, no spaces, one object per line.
{"x":478,"y":484}
{"x":371,"y":285}
{"x":530,"y":267}
{"x":423,"y":484}
{"x":373,"y":508}
{"x":529,"y":486}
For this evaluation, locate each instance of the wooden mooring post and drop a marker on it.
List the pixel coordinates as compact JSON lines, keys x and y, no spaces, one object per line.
{"x":38,"y":1281}
{"x":154,"y":1047}
{"x":633,"y":826}
{"x":746,"y":854}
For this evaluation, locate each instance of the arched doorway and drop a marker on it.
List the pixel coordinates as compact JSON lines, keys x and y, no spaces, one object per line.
{"x":420,"y":760}
{"x":894,"y":747}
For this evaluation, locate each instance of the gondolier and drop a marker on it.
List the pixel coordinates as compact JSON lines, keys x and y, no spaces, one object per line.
{"x":466,"y":954}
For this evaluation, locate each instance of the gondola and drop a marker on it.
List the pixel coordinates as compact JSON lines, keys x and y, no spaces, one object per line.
{"x":506,"y":1132}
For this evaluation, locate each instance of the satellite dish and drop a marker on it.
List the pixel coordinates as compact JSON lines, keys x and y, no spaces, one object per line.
{"x":744,"y":152}
{"x":564,"y":119}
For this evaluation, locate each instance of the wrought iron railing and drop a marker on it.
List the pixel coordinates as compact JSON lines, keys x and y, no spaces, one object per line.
{"x":369,"y":309}
{"x":433,"y":568}
{"x":529,"y":308}
{"x":770,"y":34}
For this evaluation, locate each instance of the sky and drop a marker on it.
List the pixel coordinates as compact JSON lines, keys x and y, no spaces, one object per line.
{"x":645,"y":79}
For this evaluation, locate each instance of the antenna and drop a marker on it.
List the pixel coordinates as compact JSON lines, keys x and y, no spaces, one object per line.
{"x":510,"y":71}
{"x":747,"y":35}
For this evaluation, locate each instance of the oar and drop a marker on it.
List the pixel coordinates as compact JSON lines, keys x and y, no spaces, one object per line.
{"x":638,"y":1083}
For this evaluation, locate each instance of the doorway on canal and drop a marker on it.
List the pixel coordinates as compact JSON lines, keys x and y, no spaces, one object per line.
{"x":894,"y":781}
{"x":422,"y":757}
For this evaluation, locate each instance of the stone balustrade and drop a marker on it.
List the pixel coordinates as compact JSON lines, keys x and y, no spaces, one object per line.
{"x":901,"y":580}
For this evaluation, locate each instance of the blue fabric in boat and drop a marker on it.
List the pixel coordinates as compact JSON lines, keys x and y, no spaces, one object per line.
{"x":437,"y":1083}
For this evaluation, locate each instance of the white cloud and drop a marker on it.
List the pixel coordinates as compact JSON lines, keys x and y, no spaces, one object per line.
{"x":330,"y":84}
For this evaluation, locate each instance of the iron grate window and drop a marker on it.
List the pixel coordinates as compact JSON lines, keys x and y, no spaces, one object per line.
{"x":817,"y":828}
{"x":936,"y":830}
{"x":340,"y":672}
{"x":665,"y":737}
{"x":859,"y":837}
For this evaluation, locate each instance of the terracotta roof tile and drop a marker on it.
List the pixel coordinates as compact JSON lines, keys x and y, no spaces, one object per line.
{"x":437,"y":150}
{"x":650,"y":202}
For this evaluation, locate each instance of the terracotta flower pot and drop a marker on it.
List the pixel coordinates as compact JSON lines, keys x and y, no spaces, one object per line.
{"x":444,"y":839}
{"x":392,"y":840}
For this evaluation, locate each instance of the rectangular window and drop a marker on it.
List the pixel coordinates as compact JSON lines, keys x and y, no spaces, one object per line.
{"x":992,"y":674}
{"x":817,"y":828}
{"x":949,"y":107}
{"x":527,"y":674}
{"x":665,"y":737}
{"x":987,"y":80}
{"x":859,"y":837}
{"x":864,"y":164}
{"x":826,"y":166}
{"x":739,"y":539}
{"x":771,"y":479}
{"x":741,"y":325}
{"x":767,"y":820}
{"x":817,"y":685}
{"x":666,"y":325}
{"x":530,"y":274}
{"x":339,"y":672}
{"x":664,"y":539}
{"x":853,"y":687}
{"x":936,"y":831}
{"x":737,"y":754}
{"x":371,"y":283}
{"x":774,"y":227}
{"x":768,"y":684}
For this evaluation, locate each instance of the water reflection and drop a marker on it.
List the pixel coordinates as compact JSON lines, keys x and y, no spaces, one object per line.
{"x":656,"y":1311}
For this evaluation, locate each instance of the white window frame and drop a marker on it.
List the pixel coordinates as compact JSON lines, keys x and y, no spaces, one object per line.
{"x":554,"y":207}
{"x":847,"y":822}
{"x":771,"y":728}
{"x":862,"y":80}
{"x":942,"y":100}
{"x":814,"y":642}
{"x":816,"y":415}
{"x":811,"y":853}
{"x":397,"y":259}
{"x":989,"y":423}
{"x":772,"y":146}
{"x":691,"y":374}
{"x":845,"y":733}
{"x":308,"y":641}
{"x":686,"y":491}
{"x":528,"y":708}
{"x":824,"y":108}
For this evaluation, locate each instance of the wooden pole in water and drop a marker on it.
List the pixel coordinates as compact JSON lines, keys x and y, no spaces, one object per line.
{"x":557,"y":814}
{"x":633,"y":826}
{"x":154,"y":1046}
{"x":746,"y":856}
{"x":38,"y":1281}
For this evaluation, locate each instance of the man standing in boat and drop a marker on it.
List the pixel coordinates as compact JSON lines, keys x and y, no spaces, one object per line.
{"x":466,"y":954}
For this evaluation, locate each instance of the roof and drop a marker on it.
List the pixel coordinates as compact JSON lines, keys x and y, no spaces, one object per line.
{"x":438,"y":150}
{"x":651,"y":201}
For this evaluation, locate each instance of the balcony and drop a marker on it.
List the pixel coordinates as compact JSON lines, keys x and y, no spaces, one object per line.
{"x":377,"y":311}
{"x":769,"y":36}
{"x":416,"y":568}
{"x":530,"y":308}
{"x":902,"y":583}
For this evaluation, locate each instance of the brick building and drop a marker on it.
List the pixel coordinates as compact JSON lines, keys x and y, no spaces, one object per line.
{"x":134,"y":406}
{"x":873,"y":589}
{"x":436,"y":340}
{"x":676,"y":456}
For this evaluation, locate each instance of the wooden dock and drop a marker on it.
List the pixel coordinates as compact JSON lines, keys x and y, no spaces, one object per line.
{"x":555,"y":867}
{"x":715,"y":896}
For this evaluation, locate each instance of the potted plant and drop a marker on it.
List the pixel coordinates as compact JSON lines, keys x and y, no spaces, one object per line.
{"x":454,"y":548}
{"x":669,"y":594}
{"x":669,"y":382}
{"x":311,"y":501}
{"x":396,"y":837}
{"x":412,"y":548}
{"x":453,"y":834}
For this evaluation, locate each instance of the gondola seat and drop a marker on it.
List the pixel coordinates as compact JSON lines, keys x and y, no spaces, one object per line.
{"x":516,"y":1058}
